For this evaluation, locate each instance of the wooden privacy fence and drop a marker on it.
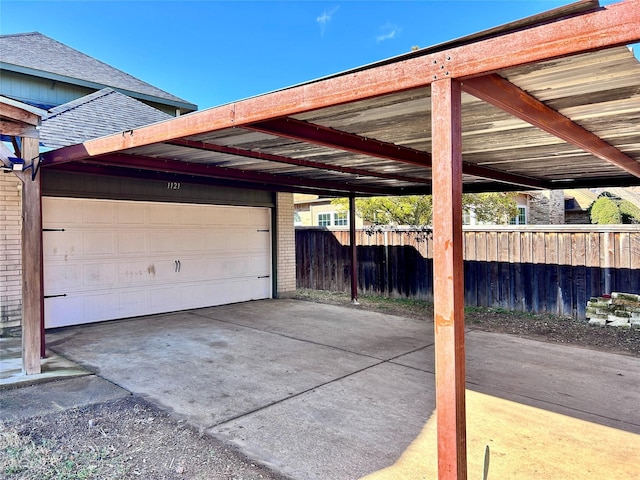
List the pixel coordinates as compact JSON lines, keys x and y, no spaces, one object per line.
{"x":554,"y":269}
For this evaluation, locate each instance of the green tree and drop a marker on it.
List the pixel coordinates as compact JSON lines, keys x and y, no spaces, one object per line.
{"x":496,"y":208}
{"x":401,"y":210}
{"x":418,"y":209}
{"x":630,"y":212}
{"x":604,"y":211}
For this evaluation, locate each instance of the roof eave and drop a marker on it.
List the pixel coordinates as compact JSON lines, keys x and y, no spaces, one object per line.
{"x":185,"y":106}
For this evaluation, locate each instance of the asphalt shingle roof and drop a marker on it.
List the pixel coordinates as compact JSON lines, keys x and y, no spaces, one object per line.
{"x":96,"y":115}
{"x":38,"y":52}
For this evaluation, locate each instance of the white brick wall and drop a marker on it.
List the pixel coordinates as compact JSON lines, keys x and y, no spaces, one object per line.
{"x":10,"y":250}
{"x":286,"y":245}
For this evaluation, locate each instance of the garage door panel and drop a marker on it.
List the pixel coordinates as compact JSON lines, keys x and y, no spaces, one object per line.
{"x":133,"y":302}
{"x":131,"y":213}
{"x":63,"y":311}
{"x":190,"y":215}
{"x":98,"y":306}
{"x":192,"y":241}
{"x":216,"y":241}
{"x":138,"y":258}
{"x":59,"y":245}
{"x":97,"y":213}
{"x":163,"y":214}
{"x":61,"y":211}
{"x":98,"y":243}
{"x":132,"y":242}
{"x":99,"y":275}
{"x":163,"y":241}
{"x":59,"y":278}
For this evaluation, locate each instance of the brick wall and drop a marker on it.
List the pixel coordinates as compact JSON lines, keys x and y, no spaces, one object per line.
{"x":286,"y":246}
{"x":10,"y":250}
{"x":546,"y":208}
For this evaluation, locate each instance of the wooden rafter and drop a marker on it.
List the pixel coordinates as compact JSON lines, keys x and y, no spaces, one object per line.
{"x":198,"y":169}
{"x":332,"y":138}
{"x":294,"y":161}
{"x":329,"y":137}
{"x":609,"y":26}
{"x":503,"y":94}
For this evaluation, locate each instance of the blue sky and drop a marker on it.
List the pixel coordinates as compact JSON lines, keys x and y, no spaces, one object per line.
{"x":214,"y":52}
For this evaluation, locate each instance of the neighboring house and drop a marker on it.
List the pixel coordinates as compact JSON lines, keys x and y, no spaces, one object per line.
{"x":120,"y":246}
{"x":317,"y":211}
{"x":45,"y":73}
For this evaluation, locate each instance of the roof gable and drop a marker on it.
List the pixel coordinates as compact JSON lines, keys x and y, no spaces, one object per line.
{"x":35,"y":53}
{"x":102,"y":113}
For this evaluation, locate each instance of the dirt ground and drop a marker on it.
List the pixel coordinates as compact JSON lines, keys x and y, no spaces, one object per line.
{"x":130,"y":438}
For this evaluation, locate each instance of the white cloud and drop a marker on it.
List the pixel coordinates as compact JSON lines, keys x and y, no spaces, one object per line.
{"x":326,"y":17}
{"x":389,"y":32}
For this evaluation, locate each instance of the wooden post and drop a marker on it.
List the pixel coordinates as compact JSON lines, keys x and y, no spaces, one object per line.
{"x":32,"y":285}
{"x":448,"y":287}
{"x":354,"y":249}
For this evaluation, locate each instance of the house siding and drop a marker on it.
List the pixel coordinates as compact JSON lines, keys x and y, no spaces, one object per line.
{"x":10,"y":253}
{"x":39,"y":91}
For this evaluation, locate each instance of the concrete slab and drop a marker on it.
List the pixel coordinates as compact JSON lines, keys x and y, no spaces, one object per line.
{"x":524,"y":443}
{"x":203,"y":369}
{"x":56,"y":396}
{"x":53,"y":366}
{"x":342,"y":430}
{"x":560,"y":378}
{"x":319,"y":391}
{"x":350,"y":329}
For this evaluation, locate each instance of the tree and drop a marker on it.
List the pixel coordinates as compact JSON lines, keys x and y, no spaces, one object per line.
{"x":604,"y":211}
{"x":399,"y":210}
{"x":630,"y":212}
{"x":418,"y":209}
{"x":497,"y":208}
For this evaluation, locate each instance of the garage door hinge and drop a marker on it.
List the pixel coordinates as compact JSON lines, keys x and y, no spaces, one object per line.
{"x":53,"y":229}
{"x":265,"y":276}
{"x":266,"y":230}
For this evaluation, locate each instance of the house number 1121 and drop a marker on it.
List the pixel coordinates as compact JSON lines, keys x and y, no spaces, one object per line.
{"x":173,"y":185}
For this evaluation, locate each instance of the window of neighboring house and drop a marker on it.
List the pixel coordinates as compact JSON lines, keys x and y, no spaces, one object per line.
{"x":340,"y":219}
{"x":521,"y":218}
{"x":297,"y":220}
{"x":324,"y":219}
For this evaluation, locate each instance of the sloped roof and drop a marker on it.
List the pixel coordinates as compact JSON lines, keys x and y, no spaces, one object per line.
{"x":35,"y":53}
{"x":96,"y":115}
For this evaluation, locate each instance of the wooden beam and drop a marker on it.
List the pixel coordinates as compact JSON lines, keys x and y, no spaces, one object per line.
{"x":332,"y":138}
{"x":212,"y":171}
{"x":15,"y":129}
{"x":608,"y":26}
{"x":32,"y":285}
{"x":294,"y":161}
{"x":329,"y":137}
{"x":448,"y":275}
{"x":17,"y":114}
{"x":503,"y":94}
{"x":354,"y":249}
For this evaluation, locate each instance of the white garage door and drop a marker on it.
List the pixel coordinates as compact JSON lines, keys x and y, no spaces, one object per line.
{"x":107,"y":259}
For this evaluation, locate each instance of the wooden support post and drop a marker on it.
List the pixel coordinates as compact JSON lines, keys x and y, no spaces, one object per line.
{"x":354,"y":249}
{"x":32,"y":285}
{"x":448,"y":287}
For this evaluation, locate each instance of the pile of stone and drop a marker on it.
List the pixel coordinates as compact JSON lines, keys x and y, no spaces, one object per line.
{"x":615,"y":310}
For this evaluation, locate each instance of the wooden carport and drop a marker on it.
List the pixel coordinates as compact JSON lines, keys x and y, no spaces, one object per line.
{"x":548,"y":102}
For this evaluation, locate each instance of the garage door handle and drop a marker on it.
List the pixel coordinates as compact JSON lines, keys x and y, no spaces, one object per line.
{"x":265,"y":276}
{"x":54,"y":296}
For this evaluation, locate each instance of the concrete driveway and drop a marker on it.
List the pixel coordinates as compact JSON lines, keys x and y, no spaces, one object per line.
{"x":325,"y":392}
